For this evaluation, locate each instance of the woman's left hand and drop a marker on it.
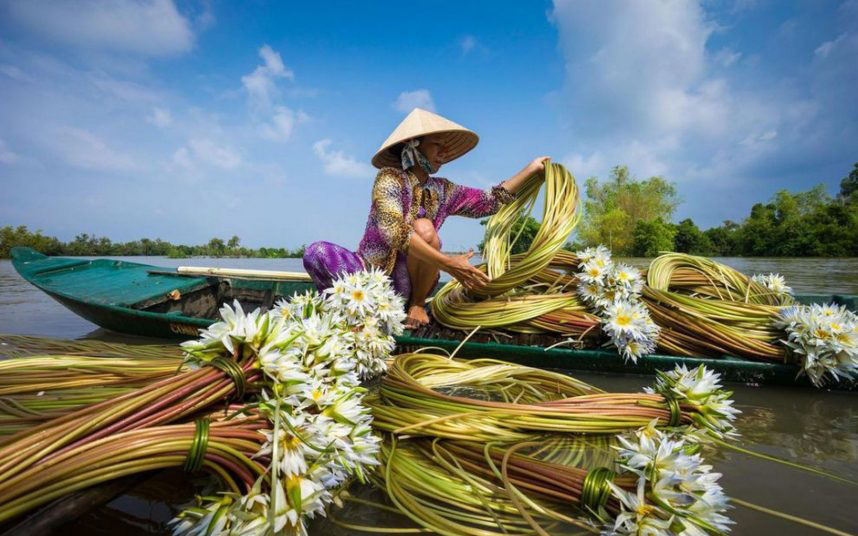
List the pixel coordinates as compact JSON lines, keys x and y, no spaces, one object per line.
{"x":537,"y":165}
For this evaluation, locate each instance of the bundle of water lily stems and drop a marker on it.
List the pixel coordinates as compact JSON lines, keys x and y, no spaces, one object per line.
{"x":484,"y":447}
{"x":687,"y":305}
{"x":529,"y":292}
{"x":269,"y":402}
{"x":54,"y":377}
{"x":708,"y":309}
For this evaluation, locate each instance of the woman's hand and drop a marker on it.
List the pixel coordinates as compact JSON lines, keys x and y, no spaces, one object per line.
{"x":461,"y":270}
{"x":537,"y":165}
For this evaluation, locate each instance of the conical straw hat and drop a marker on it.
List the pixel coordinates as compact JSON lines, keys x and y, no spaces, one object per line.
{"x":419,"y":122}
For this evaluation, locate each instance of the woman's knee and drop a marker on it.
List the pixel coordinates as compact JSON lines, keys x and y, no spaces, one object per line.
{"x":426,"y":229}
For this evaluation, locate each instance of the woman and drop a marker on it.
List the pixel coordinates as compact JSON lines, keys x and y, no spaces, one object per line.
{"x":408,"y":208}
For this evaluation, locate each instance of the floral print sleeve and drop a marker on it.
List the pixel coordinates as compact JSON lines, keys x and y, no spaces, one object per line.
{"x":387,"y":200}
{"x":388,"y":230}
{"x":473,"y":202}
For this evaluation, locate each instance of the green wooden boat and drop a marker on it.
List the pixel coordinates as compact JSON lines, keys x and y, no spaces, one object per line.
{"x":146,"y":300}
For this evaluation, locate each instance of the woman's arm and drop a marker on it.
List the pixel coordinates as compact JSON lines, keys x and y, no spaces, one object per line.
{"x":514,"y":183}
{"x":457,"y":265}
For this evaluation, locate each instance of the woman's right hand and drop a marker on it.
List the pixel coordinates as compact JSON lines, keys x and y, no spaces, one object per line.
{"x":461,"y":270}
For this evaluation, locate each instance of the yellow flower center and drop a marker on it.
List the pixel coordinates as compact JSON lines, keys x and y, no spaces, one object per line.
{"x":291,"y":443}
{"x":644,"y":510}
{"x":357,"y":295}
{"x":624,"y":320}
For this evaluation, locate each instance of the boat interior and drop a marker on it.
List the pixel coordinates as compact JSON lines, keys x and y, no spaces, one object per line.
{"x":204,"y":300}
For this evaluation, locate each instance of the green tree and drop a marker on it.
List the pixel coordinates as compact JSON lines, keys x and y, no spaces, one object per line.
{"x":526,"y":225}
{"x":234,"y":243}
{"x":11,"y":237}
{"x":650,"y":238}
{"x":849,"y":184}
{"x":690,"y":239}
{"x":724,"y":239}
{"x":216,"y":247}
{"x":613,"y":209}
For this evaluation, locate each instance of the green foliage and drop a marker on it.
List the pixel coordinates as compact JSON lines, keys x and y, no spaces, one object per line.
{"x":803,"y":224}
{"x":724,"y":239}
{"x":91,"y":246}
{"x":614,"y":209}
{"x":526,"y":225}
{"x":650,"y":238}
{"x":849,"y":185}
{"x":690,"y":239}
{"x":21,"y":236}
{"x":631,"y":217}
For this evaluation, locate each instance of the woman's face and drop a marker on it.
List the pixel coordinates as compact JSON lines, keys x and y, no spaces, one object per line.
{"x":434,"y":150}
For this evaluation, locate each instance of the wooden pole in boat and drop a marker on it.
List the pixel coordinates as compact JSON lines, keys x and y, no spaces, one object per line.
{"x":241,"y":273}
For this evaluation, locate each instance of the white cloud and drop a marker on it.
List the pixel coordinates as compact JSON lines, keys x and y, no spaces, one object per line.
{"x":338,"y":163}
{"x":261,"y":84}
{"x":6,"y":155}
{"x":123,"y":89}
{"x":643,"y":89}
{"x":583,"y":166}
{"x":182,"y":158}
{"x":283,"y":122}
{"x":82,"y":149}
{"x":14,"y":72}
{"x":469,"y":44}
{"x":727,"y":57}
{"x":640,"y":63}
{"x":825,"y":48}
{"x":145,"y":27}
{"x":207,"y":152}
{"x":408,"y":100}
{"x":160,"y":117}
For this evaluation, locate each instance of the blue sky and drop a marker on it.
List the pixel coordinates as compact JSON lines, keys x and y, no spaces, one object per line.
{"x":197,"y":119}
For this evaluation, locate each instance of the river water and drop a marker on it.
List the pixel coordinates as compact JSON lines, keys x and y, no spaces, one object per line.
{"x":818,"y":428}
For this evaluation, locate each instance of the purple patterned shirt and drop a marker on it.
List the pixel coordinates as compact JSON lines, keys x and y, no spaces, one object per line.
{"x":398,"y":199}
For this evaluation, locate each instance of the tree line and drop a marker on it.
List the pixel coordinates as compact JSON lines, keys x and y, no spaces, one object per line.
{"x":792,"y":224}
{"x":93,"y":246}
{"x":634,"y":218}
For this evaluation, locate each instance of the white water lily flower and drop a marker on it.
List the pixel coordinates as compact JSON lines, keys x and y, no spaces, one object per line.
{"x":612,"y":291}
{"x":625,"y":275}
{"x":636,"y":516}
{"x":775,"y":283}
{"x":592,"y":272}
{"x":823,"y":338}
{"x":219,"y":335}
{"x":680,"y":487}
{"x":701,"y":388}
{"x":291,"y":449}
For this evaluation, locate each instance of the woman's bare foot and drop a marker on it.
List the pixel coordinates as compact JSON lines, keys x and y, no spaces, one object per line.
{"x":417,"y":317}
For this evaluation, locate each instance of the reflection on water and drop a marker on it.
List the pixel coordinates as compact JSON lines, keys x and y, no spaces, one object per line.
{"x":814,"y":427}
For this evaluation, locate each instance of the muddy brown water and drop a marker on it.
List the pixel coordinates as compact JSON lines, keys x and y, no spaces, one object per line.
{"x":818,"y":428}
